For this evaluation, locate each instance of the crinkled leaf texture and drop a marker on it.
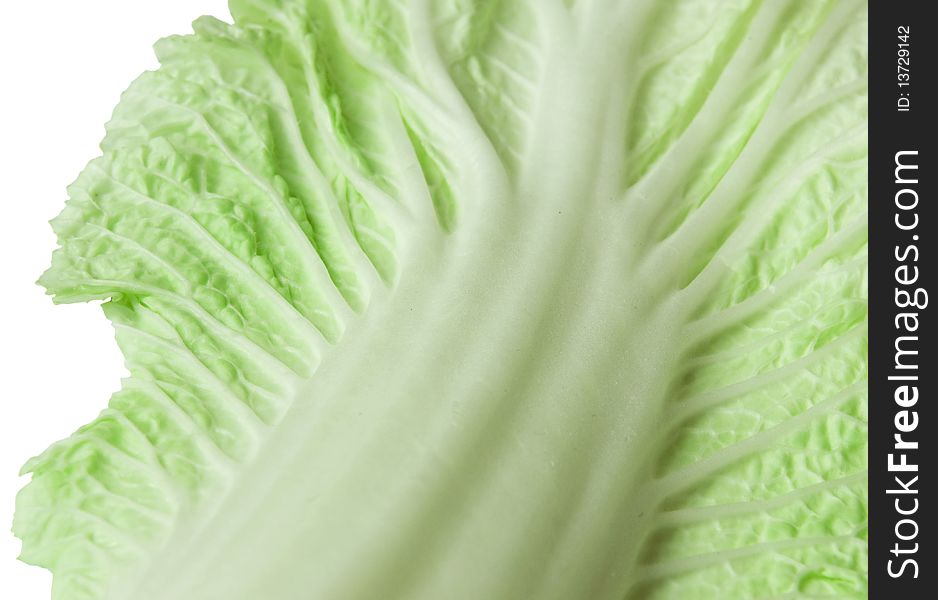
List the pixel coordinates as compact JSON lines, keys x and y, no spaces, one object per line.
{"x":501,"y":299}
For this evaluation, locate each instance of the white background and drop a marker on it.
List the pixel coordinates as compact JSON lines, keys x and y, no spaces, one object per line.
{"x":63,"y":65}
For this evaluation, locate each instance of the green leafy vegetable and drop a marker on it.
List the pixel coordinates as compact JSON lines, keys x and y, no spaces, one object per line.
{"x":475,"y":299}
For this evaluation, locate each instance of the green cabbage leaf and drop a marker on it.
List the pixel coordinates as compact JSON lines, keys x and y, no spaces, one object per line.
{"x":475,"y":299}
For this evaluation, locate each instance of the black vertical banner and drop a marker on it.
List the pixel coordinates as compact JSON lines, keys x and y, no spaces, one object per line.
{"x":903,"y":370}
